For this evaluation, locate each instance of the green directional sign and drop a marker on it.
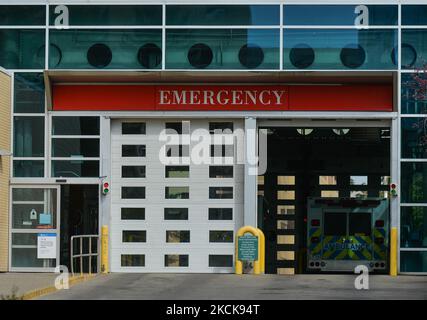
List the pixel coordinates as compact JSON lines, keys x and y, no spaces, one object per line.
{"x":247,"y":248}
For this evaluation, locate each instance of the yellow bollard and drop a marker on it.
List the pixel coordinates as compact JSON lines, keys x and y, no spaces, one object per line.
{"x":393,"y":252}
{"x":104,"y":249}
{"x":259,"y":265}
{"x":262,"y":249}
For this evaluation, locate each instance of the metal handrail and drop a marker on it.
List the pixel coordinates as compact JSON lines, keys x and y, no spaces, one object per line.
{"x":82,"y":255}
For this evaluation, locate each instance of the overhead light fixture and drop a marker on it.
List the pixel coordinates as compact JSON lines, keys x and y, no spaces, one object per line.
{"x":305,"y":132}
{"x":341,"y":132}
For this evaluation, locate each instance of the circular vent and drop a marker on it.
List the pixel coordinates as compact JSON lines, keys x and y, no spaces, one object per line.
{"x":200,"y":56}
{"x":353,"y":56}
{"x":409,"y":56}
{"x":149,"y":55}
{"x":99,"y":55}
{"x":251,"y":56}
{"x":301,"y":56}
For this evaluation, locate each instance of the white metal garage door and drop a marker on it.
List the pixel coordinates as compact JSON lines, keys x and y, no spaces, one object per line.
{"x":169,"y":218}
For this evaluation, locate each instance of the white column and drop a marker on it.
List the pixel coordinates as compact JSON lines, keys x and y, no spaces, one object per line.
{"x":250,"y":179}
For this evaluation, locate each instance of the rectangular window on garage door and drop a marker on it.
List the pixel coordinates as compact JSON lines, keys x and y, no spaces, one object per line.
{"x":34,"y":228}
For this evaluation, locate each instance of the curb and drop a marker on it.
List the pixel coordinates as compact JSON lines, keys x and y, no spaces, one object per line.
{"x":44,"y":291}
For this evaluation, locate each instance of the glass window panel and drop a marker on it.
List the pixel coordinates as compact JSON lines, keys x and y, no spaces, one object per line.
{"x":415,"y":15}
{"x":177,"y":236}
{"x":359,"y":180}
{"x":176,"y":213}
{"x":115,"y":15}
{"x":134,"y":236}
{"x":225,"y":15}
{"x":78,"y":126}
{"x":28,"y":139}
{"x":414,"y":48}
{"x":222,"y":150}
{"x":285,"y":239}
{"x":286,"y":210}
{"x":329,"y":193}
{"x":220,"y":260}
{"x":413,"y":261}
{"x":133,"y":213}
{"x":413,"y":227}
{"x":177,"y":171}
{"x":133,"y":150}
{"x":28,"y":168}
{"x":176,"y":260}
{"x":222,"y":49}
{"x":27,"y":258}
{"x":24,"y":15}
{"x":133,"y":171}
{"x":133,"y":260}
{"x":285,"y":195}
{"x":414,"y":182}
{"x":285,"y":255}
{"x":177,"y":192}
{"x":24,"y":239}
{"x":358,"y":194}
{"x":133,"y":128}
{"x":22,"y":49}
{"x":27,"y":194}
{"x":220,"y":192}
{"x":286,"y":180}
{"x":359,"y":224}
{"x":109,"y":49}
{"x":412,"y":92}
{"x":221,"y":172}
{"x":75,"y":168}
{"x":73,"y":147}
{"x":327,"y":180}
{"x":220,"y":214}
{"x":21,"y":216}
{"x":220,"y":236}
{"x":29,"y":93}
{"x":335,"y":224}
{"x":221,"y":127}
{"x":339,"y":48}
{"x":177,"y":151}
{"x":285,"y":224}
{"x":133,"y":192}
{"x":414,"y":138}
{"x":337,"y":15}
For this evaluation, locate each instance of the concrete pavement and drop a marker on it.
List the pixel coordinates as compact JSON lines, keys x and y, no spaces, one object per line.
{"x":247,"y":287}
{"x":24,"y":282}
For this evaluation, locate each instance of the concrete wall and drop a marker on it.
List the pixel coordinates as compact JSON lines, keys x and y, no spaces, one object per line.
{"x":5,"y":109}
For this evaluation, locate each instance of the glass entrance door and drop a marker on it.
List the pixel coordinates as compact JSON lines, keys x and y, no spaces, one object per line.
{"x":34,"y":230}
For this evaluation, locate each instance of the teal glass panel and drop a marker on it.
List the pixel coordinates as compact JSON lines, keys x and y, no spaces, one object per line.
{"x":415,"y":15}
{"x":339,"y":49}
{"x":413,"y":261}
{"x":75,"y":126}
{"x":337,"y":15}
{"x":22,"y":49}
{"x":414,"y":138}
{"x":413,"y":227}
{"x":29,"y":93}
{"x":222,"y":49}
{"x":223,"y":15}
{"x":22,"y":15}
{"x":414,"y":94}
{"x":75,"y":168}
{"x":104,"y":15}
{"x":414,"y":48}
{"x":28,"y":168}
{"x":73,"y":147}
{"x":28,"y":137}
{"x":414,"y":182}
{"x":109,"y":49}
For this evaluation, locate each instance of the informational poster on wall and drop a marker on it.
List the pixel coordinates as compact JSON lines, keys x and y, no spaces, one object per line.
{"x":46,"y":245}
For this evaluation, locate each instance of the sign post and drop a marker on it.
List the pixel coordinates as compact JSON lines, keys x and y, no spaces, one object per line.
{"x":250,"y":246}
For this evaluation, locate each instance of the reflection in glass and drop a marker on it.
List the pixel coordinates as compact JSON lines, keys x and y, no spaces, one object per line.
{"x":414,"y":182}
{"x":28,"y":93}
{"x":417,"y":39}
{"x":28,"y":137}
{"x":410,"y":100}
{"x":413,"y":227}
{"x":414,"y":138}
{"x":413,"y":261}
{"x":85,"y":126}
